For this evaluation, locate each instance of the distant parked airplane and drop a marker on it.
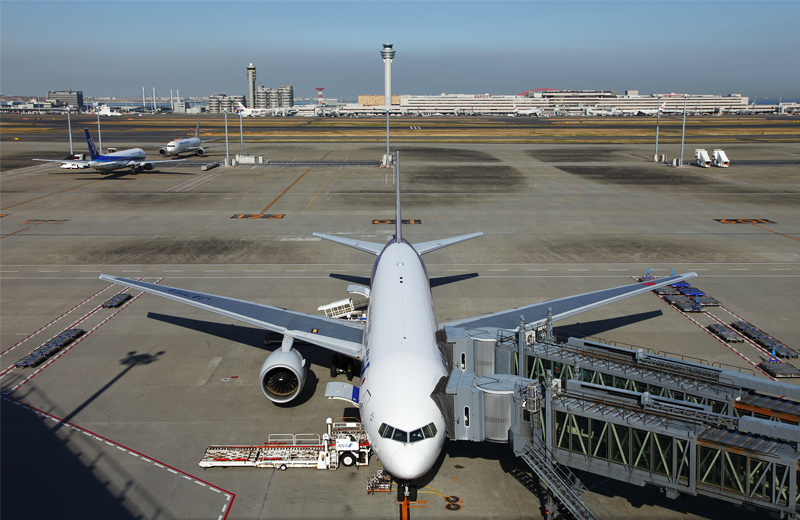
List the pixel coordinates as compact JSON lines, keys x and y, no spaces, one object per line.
{"x":132,"y":158}
{"x":193,"y":144}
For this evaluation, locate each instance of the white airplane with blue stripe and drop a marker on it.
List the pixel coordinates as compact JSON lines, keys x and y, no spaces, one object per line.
{"x":133,"y":158}
{"x":401,"y":362}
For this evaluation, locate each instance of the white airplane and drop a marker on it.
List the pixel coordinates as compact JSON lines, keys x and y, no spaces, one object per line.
{"x":193,"y":144}
{"x":133,"y":158}
{"x":106,"y":110}
{"x":263,"y":112}
{"x":401,"y":362}
{"x":527,"y":112}
{"x":650,"y":111}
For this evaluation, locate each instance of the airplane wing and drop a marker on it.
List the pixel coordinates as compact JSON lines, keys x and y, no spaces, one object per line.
{"x":336,"y":335}
{"x":142,"y":163}
{"x":536,"y":315}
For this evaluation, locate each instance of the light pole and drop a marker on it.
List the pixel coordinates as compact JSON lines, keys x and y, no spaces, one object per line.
{"x":683,"y":132}
{"x":99,"y":136}
{"x":658,"y":121}
{"x":69,"y":128}
{"x":241,"y":134}
{"x":227,"y":154}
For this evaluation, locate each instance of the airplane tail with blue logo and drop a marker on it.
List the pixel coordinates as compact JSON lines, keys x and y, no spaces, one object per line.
{"x":93,"y":153}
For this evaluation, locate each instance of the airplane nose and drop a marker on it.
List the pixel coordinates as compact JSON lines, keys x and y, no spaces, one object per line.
{"x":408,"y":463}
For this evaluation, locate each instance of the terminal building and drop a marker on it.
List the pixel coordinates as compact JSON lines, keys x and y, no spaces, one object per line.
{"x":552,"y":101}
{"x":66,"y":98}
{"x":377,"y":101}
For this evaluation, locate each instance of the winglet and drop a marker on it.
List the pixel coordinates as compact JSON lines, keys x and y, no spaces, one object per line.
{"x":93,"y":153}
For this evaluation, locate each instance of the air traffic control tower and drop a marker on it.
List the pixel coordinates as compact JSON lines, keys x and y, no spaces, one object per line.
{"x":251,"y":86}
{"x":388,"y":55}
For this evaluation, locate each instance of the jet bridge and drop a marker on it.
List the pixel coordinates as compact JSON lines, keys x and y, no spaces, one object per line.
{"x":626,"y":413}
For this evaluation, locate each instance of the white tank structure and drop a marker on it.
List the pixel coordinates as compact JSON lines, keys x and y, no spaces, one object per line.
{"x":251,"y":86}
{"x":388,"y":55}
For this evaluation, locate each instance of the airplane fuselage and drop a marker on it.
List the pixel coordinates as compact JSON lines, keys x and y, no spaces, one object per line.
{"x":117,"y":160}
{"x":182,"y":145}
{"x":401,"y":365}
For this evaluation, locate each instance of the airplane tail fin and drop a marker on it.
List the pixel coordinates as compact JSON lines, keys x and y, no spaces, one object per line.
{"x":398,"y":223}
{"x":197,"y":129}
{"x":93,"y":153}
{"x":375,"y":249}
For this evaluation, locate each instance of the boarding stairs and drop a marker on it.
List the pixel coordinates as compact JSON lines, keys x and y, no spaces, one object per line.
{"x":561,"y":483}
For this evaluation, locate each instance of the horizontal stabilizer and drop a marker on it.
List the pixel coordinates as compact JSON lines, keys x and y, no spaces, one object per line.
{"x":369,"y":247}
{"x":433,"y":245}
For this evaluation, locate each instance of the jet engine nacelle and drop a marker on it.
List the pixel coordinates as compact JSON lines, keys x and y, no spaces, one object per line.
{"x":283,"y":375}
{"x":162,"y":151}
{"x":201,"y":151}
{"x":148,"y":166}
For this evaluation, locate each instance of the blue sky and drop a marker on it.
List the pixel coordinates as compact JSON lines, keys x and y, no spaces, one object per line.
{"x":115,"y":48}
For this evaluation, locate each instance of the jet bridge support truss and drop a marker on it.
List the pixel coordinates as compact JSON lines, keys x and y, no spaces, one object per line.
{"x":627,"y":414}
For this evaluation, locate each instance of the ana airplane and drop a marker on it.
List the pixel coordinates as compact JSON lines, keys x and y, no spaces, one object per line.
{"x":193,"y":144}
{"x":133,"y":158}
{"x":401,"y":362}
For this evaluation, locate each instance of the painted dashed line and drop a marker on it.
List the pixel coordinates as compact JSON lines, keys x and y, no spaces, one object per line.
{"x":731,"y":348}
{"x":225,"y":508}
{"x":83,"y":337}
{"x":57,"y":319}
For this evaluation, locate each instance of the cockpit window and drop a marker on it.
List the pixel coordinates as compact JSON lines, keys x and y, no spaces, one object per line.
{"x":389,"y":432}
{"x":386,"y":431}
{"x":400,"y":435}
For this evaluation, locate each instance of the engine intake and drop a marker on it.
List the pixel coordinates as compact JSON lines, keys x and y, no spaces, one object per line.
{"x":148,"y":166}
{"x":162,"y":151}
{"x":201,"y":151}
{"x":283,"y":375}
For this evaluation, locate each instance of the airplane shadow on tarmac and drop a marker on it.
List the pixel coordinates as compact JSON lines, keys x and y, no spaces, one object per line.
{"x":254,"y":337}
{"x":593,"y":328}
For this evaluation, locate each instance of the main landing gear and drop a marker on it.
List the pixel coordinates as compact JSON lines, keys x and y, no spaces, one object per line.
{"x":345,"y":365}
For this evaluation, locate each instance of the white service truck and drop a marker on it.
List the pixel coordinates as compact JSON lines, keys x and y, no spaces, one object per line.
{"x":345,"y":443}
